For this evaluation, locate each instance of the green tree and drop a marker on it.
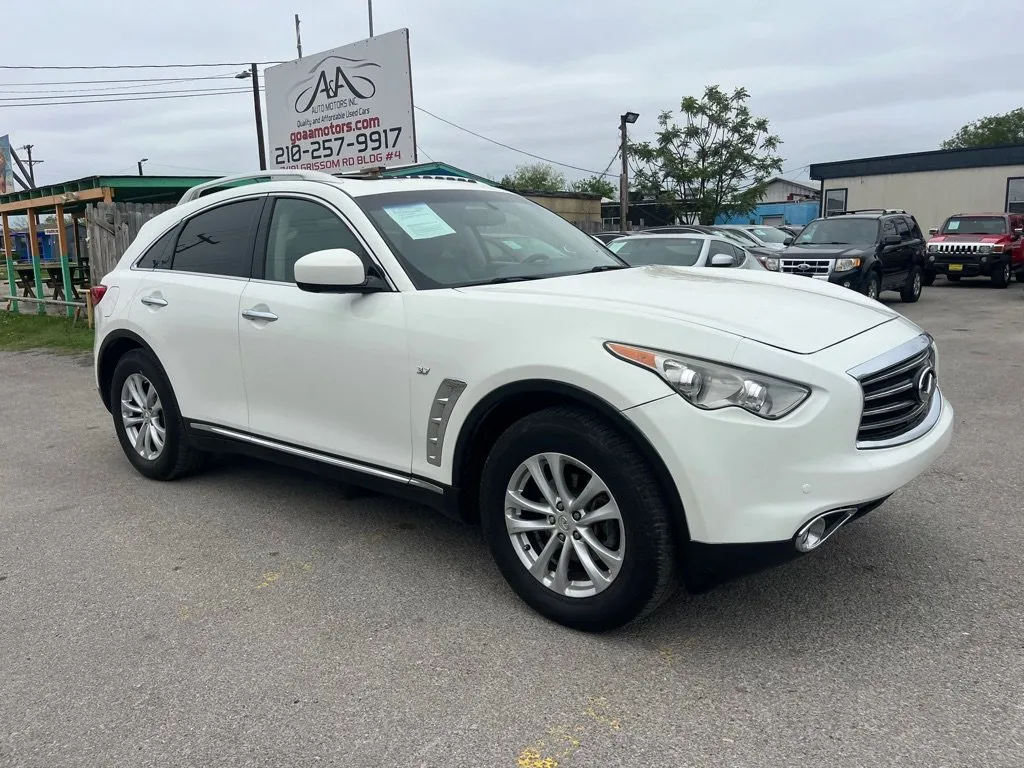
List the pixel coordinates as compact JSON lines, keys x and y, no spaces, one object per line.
{"x":594,"y":185}
{"x":718,"y":160}
{"x":534,"y":177}
{"x":989,"y":131}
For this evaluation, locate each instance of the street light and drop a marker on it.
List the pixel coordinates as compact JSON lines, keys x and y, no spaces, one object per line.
{"x":143,"y":160}
{"x":624,"y":120}
{"x":254,"y":73}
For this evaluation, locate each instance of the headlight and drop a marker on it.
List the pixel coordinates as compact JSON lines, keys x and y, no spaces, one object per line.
{"x":933,"y":248}
{"x":845,"y":265}
{"x":984,"y":249}
{"x":711,"y":386}
{"x":771,"y":263}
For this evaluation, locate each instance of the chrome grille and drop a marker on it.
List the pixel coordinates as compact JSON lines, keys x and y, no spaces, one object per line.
{"x":806,"y":266}
{"x":958,"y":247}
{"x":898,"y":396}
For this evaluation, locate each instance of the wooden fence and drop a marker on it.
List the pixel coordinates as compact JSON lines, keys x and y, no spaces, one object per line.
{"x":112,"y":227}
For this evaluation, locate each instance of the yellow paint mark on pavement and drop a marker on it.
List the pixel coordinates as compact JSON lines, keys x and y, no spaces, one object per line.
{"x":269,"y":578}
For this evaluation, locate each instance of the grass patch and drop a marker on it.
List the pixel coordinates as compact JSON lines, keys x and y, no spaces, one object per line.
{"x":30,"y":331}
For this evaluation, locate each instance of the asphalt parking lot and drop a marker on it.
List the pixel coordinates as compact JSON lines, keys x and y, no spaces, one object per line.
{"x":254,"y":616}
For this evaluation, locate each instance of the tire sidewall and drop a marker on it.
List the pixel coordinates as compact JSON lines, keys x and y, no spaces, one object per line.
{"x":633,"y":586}
{"x":915,"y":285}
{"x":873,"y":279}
{"x":139,"y":362}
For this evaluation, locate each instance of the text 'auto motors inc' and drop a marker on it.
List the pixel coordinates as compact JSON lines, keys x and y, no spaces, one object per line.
{"x":343,"y":109}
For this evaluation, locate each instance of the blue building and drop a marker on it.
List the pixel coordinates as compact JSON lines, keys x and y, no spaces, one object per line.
{"x":771,"y":214}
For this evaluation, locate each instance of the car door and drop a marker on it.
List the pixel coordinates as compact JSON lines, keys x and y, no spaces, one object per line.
{"x":186,"y":308}
{"x":324,"y":371}
{"x":894,"y":257}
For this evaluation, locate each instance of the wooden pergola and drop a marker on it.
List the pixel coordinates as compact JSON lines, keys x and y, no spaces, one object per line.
{"x":72,"y":198}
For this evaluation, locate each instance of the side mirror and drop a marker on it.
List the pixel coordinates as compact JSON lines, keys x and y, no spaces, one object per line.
{"x":933,"y":231}
{"x":723,"y":260}
{"x":1018,"y":231}
{"x":788,"y":240}
{"x":892,"y":240}
{"x":337,"y":270}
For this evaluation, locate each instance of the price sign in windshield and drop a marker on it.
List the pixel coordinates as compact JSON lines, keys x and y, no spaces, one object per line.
{"x":343,"y":109}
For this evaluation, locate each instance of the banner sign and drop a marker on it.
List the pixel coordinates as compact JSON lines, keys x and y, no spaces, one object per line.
{"x":343,"y":109}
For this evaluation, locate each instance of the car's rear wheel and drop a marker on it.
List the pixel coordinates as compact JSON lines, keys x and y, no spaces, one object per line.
{"x":911,"y":290}
{"x":1001,"y":276}
{"x":576,"y":520}
{"x":147,"y":421}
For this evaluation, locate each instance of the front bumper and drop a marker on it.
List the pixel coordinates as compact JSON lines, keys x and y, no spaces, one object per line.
{"x":968,"y":266}
{"x":744,"y":480}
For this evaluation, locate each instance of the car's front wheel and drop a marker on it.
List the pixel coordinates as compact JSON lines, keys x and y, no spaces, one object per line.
{"x":911,"y":290}
{"x":1001,"y":275}
{"x":576,"y":520}
{"x":929,"y":278}
{"x":873,"y":287}
{"x":147,"y":421}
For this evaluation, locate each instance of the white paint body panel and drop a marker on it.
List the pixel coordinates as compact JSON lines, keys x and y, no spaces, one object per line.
{"x":355,"y":375}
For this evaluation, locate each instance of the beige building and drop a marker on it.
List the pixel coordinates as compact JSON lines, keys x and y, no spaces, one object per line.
{"x":582,"y":210}
{"x":930,"y":185}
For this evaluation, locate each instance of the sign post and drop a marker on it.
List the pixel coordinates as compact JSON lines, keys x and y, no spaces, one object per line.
{"x":345,"y":109}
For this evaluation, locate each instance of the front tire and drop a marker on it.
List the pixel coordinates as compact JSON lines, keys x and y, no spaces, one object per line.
{"x":911,"y":290}
{"x":1001,"y":278}
{"x":874,"y":286}
{"x":929,"y":278}
{"x":576,"y":520}
{"x":147,"y":422}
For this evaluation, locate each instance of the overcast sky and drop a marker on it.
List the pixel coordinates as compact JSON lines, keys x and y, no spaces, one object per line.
{"x":836,"y":80}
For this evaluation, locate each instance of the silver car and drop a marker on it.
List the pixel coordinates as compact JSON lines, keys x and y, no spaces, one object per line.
{"x":683,"y":250}
{"x":758,"y":235}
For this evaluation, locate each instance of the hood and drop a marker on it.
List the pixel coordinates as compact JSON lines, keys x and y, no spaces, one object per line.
{"x":784,"y":311}
{"x":968,"y":238}
{"x":825,"y":251}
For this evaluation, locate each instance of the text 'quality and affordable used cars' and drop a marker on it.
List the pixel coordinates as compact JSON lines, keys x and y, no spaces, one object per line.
{"x":866,"y":251}
{"x":613,"y":430}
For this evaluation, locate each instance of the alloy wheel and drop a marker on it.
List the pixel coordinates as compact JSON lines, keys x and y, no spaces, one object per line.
{"x":565,"y":525}
{"x":917,"y":283}
{"x":142,"y":414}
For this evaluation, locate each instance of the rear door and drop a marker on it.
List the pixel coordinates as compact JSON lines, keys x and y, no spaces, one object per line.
{"x":186,"y":308}
{"x":895,"y":258}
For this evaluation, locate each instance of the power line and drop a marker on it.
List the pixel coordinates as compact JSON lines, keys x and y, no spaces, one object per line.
{"x":138,"y":66}
{"x":86,"y":94}
{"x":507,"y":146}
{"x":158,"y":82}
{"x":133,"y":98}
{"x":114,"y":80}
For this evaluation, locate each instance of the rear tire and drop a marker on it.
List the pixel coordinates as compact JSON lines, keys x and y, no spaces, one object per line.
{"x":147,"y":422}
{"x":574,"y":451}
{"x":911,"y":290}
{"x":1002,"y":277}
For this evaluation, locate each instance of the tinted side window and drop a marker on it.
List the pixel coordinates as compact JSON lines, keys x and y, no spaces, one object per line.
{"x":888,"y":228}
{"x":903,"y":229}
{"x":159,"y":254}
{"x":218,"y":242}
{"x":298,"y":227}
{"x":739,"y":254}
{"x":915,"y":229}
{"x":717,"y":247}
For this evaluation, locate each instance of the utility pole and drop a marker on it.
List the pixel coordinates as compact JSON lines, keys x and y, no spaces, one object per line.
{"x":254,"y":73}
{"x":143,"y":160}
{"x":31,"y":164}
{"x":298,"y":36}
{"x":369,"y":8}
{"x":628,"y":117}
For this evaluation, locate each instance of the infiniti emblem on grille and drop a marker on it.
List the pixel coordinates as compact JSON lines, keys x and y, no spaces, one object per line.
{"x":926,"y":384}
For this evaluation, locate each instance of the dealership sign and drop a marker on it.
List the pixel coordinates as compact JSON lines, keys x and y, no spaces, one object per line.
{"x":343,"y":109}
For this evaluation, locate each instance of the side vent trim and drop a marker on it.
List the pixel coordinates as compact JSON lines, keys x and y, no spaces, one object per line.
{"x":441,"y":408}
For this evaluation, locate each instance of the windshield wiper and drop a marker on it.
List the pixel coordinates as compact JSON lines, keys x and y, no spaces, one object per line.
{"x":511,"y":279}
{"x":605,"y":268}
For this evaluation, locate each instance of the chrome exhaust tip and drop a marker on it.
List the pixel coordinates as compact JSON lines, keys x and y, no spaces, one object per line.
{"x":818,"y":529}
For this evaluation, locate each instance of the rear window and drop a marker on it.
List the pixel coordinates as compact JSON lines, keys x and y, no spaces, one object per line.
{"x":644,"y":251}
{"x":974,"y":225}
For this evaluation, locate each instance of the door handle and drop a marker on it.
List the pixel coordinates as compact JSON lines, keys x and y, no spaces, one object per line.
{"x":153,"y":301}
{"x":258,"y":314}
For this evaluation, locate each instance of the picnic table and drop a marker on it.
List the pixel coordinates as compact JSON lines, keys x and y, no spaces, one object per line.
{"x":52,"y":278}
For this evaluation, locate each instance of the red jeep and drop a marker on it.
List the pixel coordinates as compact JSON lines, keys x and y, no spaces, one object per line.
{"x":973,"y":244}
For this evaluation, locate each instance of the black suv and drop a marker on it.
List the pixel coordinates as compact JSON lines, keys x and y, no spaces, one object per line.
{"x":868,"y":251}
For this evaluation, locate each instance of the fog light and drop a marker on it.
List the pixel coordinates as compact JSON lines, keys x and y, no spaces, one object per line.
{"x":811,"y":536}
{"x":846,"y":283}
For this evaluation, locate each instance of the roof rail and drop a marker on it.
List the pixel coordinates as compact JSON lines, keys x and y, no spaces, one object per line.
{"x":239,"y":179}
{"x":439,"y":177}
{"x":882,"y":211}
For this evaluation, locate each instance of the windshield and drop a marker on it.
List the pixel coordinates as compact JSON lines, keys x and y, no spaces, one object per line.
{"x":445,"y":238}
{"x":839,"y":231}
{"x":674,"y":251}
{"x":770,"y":234}
{"x":975,"y":225}
{"x":731,"y":234}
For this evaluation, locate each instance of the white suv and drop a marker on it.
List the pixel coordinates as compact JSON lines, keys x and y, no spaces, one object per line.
{"x":614,"y":430}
